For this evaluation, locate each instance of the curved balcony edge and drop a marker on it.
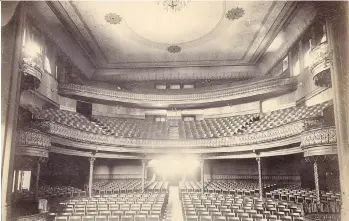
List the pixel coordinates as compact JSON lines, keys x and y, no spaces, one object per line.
{"x":265,"y":87}
{"x":274,"y":134}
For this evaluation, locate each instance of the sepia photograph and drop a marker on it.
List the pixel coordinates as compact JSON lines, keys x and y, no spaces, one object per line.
{"x":174,"y":110}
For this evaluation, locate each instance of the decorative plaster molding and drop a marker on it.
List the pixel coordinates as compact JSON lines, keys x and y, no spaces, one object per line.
{"x":235,"y":13}
{"x":174,"y":49}
{"x":318,"y":136}
{"x":32,"y":142}
{"x":219,"y":94}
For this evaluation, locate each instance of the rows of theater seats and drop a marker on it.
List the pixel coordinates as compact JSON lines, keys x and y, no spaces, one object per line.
{"x":329,"y":201}
{"x":126,"y":186}
{"x":138,"y":128}
{"x":71,"y":119}
{"x":47,"y":192}
{"x":118,"y":207}
{"x":215,"y":127}
{"x":226,"y":207}
{"x":245,"y":188}
{"x":207,"y":128}
{"x":284,"y":116}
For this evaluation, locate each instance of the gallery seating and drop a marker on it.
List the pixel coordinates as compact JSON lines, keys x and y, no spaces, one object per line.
{"x":196,"y":129}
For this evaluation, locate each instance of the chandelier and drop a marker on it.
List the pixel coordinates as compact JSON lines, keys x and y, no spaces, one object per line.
{"x":173,"y":5}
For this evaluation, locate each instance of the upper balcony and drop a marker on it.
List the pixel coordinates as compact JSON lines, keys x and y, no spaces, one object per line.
{"x":232,"y":93}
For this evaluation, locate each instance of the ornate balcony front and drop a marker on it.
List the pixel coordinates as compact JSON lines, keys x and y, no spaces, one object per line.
{"x":32,"y":142}
{"x":320,"y":65}
{"x":319,"y":141}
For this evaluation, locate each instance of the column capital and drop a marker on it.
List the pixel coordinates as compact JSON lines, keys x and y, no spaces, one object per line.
{"x":258,"y":159}
{"x":92,"y":159}
{"x":145,"y":162}
{"x":201,"y":160}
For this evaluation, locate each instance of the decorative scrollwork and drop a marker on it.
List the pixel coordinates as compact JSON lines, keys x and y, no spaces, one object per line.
{"x":235,"y":13}
{"x":32,"y":142}
{"x":113,"y":18}
{"x":174,"y":49}
{"x":319,"y":136}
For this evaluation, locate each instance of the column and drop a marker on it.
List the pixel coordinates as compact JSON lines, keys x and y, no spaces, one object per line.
{"x":316,"y":178}
{"x":10,"y":93}
{"x":144,"y":165}
{"x":37,"y":179}
{"x":337,"y":30}
{"x":90,"y":181}
{"x":202,"y":175}
{"x":260,"y":187}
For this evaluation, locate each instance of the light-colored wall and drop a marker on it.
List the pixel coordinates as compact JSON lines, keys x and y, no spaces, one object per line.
{"x":280,"y":167}
{"x":117,"y":169}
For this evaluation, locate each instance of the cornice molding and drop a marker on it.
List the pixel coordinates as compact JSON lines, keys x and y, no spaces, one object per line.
{"x":264,"y":87}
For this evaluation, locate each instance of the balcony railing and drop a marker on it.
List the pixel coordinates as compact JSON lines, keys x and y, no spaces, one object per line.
{"x":319,"y":136}
{"x":222,"y":93}
{"x":320,"y":65}
{"x":32,"y":142}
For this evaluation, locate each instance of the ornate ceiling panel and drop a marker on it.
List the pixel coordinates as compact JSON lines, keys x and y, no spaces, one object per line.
{"x":144,"y":34}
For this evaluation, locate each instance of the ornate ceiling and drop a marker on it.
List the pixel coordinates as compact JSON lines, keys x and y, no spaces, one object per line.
{"x":145,"y":34}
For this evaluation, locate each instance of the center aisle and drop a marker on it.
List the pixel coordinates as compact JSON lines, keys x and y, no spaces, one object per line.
{"x":174,"y":208}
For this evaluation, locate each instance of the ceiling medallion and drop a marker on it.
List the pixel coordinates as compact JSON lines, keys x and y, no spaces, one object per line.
{"x":235,"y":13}
{"x":113,"y":18}
{"x":174,"y":49}
{"x":173,"y":5}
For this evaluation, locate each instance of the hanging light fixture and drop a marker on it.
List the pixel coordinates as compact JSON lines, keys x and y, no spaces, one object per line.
{"x":173,"y":5}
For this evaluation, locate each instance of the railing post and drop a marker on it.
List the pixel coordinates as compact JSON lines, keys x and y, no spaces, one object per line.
{"x":316,"y":179}
{"x":144,"y":165}
{"x":202,"y":175}
{"x":260,"y":178}
{"x":90,"y":182}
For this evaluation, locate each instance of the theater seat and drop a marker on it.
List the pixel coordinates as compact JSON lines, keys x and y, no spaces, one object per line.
{"x":113,"y":218}
{"x":192,"y":218}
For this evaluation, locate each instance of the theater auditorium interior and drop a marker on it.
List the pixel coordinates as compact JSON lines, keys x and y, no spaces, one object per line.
{"x":174,"y":110}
